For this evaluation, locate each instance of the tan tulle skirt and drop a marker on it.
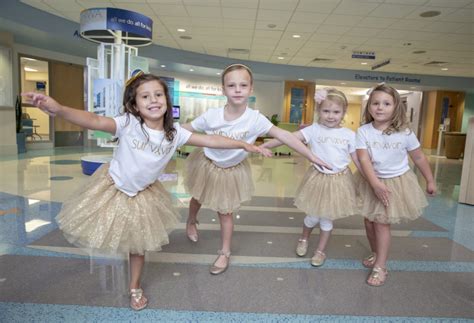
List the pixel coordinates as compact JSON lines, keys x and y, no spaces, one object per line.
{"x":407,"y":200}
{"x":330,"y":196}
{"x":220,"y":189}
{"x":99,"y":216}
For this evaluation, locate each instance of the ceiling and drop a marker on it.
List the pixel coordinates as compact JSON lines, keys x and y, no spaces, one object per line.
{"x":329,"y":30}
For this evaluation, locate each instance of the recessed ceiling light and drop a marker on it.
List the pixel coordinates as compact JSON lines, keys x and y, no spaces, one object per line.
{"x":218,"y":73}
{"x":181,"y":30}
{"x":191,"y":70}
{"x":444,"y":69}
{"x":296,"y":36}
{"x":429,"y":14}
{"x":363,"y":63}
{"x":29,"y":69}
{"x":281,"y":57}
{"x":300,"y":79}
{"x":163,"y":65}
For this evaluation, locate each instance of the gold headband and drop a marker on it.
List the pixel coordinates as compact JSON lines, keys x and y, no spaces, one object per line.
{"x":237,"y":65}
{"x":133,"y":78}
{"x":338,"y":95}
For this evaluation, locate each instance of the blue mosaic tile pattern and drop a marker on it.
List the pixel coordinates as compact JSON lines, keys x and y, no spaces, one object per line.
{"x":17,"y":312}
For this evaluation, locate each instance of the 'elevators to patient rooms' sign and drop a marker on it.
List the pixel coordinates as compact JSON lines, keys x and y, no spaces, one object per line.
{"x":97,"y":24}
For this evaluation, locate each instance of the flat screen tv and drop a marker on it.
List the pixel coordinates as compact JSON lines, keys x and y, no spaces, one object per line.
{"x":176,"y":112}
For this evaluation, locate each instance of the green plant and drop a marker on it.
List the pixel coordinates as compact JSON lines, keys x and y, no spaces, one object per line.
{"x":274,"y":120}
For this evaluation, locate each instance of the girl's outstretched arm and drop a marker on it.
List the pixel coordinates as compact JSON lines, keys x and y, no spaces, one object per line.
{"x":81,"y":118}
{"x":293,"y":142}
{"x":422,"y":163}
{"x":382,"y":192}
{"x":276,"y":143}
{"x":221,"y":142}
{"x":188,"y":127}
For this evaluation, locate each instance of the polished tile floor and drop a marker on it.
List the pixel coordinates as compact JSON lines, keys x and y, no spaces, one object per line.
{"x":45,"y":279}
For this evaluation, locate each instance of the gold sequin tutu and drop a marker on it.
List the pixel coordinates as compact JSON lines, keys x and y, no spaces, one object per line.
{"x":99,"y":216}
{"x":220,"y":189}
{"x":330,"y":196}
{"x":407,"y":200}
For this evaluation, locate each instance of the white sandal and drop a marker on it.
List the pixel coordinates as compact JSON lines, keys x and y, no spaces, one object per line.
{"x":136,"y":295}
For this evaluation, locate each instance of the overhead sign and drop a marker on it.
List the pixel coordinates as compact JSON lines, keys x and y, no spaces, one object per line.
{"x":382,"y":63}
{"x":96,"y":23}
{"x":363,"y":54}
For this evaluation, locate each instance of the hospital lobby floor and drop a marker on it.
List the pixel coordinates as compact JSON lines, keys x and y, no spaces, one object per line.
{"x":43,"y":278}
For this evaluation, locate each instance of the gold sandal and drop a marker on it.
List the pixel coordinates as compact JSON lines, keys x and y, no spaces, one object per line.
{"x":219,"y":270}
{"x":369,"y":261}
{"x":378,"y":276}
{"x":136,"y":296}
{"x":192,"y":237}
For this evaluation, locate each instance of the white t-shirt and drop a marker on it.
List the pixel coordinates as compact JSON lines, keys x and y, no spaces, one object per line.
{"x":389,"y":153}
{"x":332,"y":145}
{"x":138,"y":161}
{"x":250,"y":125}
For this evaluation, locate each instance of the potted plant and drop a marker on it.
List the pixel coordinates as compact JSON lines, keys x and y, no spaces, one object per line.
{"x":274,"y":120}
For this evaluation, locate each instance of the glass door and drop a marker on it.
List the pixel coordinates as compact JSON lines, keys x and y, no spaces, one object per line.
{"x":34,"y":76}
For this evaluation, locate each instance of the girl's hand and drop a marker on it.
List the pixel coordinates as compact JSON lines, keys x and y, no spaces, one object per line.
{"x":258,"y":149}
{"x":382,"y":193}
{"x":320,"y":163}
{"x":431,"y":188}
{"x":43,"y":102}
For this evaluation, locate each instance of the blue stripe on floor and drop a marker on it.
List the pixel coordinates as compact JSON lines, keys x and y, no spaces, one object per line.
{"x":19,"y":312}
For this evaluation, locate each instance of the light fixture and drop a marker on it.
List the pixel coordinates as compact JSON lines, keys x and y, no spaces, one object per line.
{"x":162,"y":65}
{"x":300,"y":79}
{"x":191,"y":70}
{"x":218,"y":73}
{"x":363,"y":63}
{"x":181,"y":30}
{"x":29,"y":69}
{"x":281,"y":57}
{"x":444,"y":69}
{"x":296,"y":36}
{"x":342,"y":83}
{"x":186,"y":37}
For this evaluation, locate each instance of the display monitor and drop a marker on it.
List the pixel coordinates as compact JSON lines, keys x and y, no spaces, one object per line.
{"x":176,"y":112}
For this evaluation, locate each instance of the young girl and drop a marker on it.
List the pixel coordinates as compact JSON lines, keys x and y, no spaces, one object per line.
{"x":326,"y":195}
{"x":219,"y":179}
{"x":124,"y":208}
{"x":391,"y":193}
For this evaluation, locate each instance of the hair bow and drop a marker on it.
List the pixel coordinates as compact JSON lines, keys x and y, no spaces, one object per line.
{"x":320,"y":96}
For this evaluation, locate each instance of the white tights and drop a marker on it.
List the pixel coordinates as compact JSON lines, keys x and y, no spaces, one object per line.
{"x":310,"y":221}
